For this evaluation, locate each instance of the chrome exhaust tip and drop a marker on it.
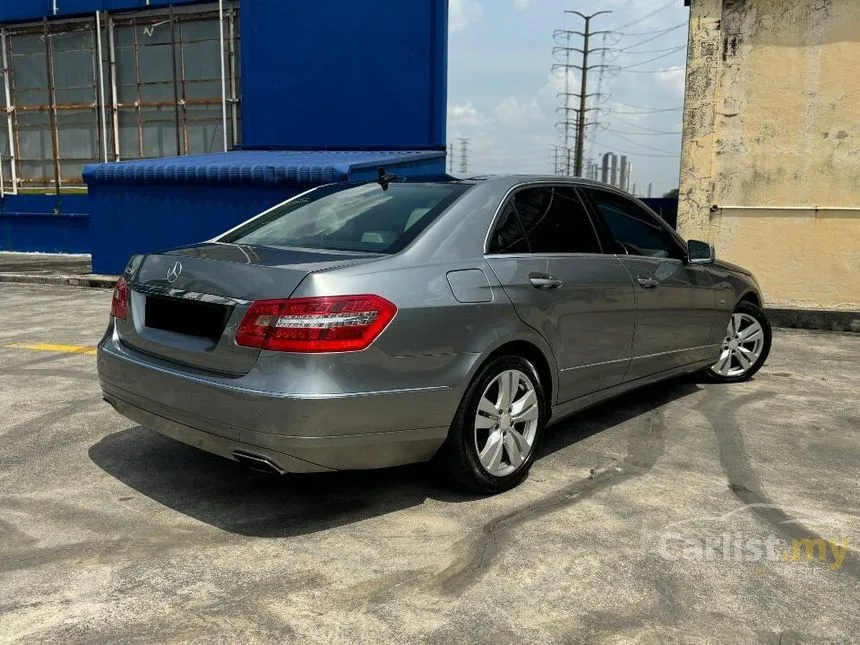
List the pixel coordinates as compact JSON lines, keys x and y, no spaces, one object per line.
{"x":258,"y":462}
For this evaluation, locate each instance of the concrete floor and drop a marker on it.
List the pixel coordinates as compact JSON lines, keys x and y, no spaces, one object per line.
{"x":624,"y":532}
{"x":44,"y":263}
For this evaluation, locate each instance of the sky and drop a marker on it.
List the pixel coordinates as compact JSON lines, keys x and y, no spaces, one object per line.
{"x":502,"y":90}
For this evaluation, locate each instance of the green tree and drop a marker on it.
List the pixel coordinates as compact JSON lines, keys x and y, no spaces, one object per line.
{"x":672,"y":194}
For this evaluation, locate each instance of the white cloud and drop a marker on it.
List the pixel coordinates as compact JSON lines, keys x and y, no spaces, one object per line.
{"x":462,"y":13}
{"x":673,"y":78}
{"x":465,"y":115}
{"x":512,"y":112}
{"x":523,"y":4}
{"x":555,"y":83}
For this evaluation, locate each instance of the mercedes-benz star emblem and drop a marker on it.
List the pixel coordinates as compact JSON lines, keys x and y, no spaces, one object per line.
{"x":174,"y":272}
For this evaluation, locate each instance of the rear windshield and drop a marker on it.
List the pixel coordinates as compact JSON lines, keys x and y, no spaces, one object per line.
{"x":353,"y":217}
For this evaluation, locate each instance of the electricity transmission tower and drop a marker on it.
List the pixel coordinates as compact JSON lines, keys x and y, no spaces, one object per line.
{"x":562,"y":38}
{"x":464,"y":155}
{"x":450,"y":158}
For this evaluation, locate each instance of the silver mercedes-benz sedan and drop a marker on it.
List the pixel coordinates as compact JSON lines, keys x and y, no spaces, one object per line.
{"x":391,"y":322}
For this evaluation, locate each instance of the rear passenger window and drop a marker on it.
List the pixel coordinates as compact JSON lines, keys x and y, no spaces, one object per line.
{"x":556,"y":221}
{"x":508,"y":236}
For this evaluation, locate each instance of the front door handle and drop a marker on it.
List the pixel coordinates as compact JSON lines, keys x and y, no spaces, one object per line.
{"x":646,"y":282}
{"x":544,"y":281}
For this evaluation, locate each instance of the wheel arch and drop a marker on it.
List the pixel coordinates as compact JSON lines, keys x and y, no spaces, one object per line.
{"x":535,"y":351}
{"x":752,"y":297}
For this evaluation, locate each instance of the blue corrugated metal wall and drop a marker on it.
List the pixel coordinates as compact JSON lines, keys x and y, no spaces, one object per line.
{"x":147,"y":206}
{"x":21,"y":10}
{"x":333,"y":75}
{"x":344,"y":74}
{"x":142,"y":219}
{"x":48,"y":223}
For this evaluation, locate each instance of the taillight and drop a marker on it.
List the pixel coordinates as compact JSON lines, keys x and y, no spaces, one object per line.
{"x":328,"y":324}
{"x":119,"y":302}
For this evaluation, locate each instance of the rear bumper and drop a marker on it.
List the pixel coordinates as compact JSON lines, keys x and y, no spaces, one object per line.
{"x":298,"y":433}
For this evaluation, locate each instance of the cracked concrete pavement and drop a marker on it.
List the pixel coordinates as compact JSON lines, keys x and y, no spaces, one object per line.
{"x":637,"y":523}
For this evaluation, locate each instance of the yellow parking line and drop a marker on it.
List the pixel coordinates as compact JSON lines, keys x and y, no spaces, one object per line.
{"x":50,"y":347}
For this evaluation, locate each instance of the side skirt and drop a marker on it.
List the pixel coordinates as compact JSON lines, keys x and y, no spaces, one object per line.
{"x":559,"y":412}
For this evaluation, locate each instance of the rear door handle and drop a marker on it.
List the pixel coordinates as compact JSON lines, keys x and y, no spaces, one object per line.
{"x":646,"y":282}
{"x":544,"y":281}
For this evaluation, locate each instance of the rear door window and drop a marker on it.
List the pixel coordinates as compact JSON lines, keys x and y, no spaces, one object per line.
{"x":351,"y":217}
{"x":508,"y":235}
{"x":556,"y":221}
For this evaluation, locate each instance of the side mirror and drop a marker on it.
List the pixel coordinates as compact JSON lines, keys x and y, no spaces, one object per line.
{"x":700,"y":252}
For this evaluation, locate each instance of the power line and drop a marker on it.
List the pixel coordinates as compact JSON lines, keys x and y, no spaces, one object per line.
{"x":636,"y":143}
{"x":623,"y":50}
{"x":648,"y":110}
{"x":640,"y":154}
{"x":642,"y":134}
{"x":657,"y":35}
{"x":662,"y":7}
{"x":674,"y":68}
{"x":646,"y":129}
{"x":651,"y":60}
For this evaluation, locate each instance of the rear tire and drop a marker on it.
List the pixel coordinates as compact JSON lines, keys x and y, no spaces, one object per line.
{"x":746,"y":345}
{"x":497,"y":429}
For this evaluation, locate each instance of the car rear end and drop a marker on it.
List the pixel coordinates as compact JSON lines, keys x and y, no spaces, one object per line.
{"x":213,"y":346}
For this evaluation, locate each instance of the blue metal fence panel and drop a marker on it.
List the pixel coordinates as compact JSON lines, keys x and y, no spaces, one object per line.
{"x":46,"y":223}
{"x":665,"y":207}
{"x":127,"y":220}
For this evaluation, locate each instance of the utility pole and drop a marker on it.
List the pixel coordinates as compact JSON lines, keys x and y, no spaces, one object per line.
{"x":583,"y":95}
{"x":450,"y":158}
{"x":555,"y":166}
{"x":464,"y":155}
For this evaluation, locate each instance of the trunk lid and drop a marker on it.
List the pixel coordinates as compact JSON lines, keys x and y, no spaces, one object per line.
{"x":186,"y":304}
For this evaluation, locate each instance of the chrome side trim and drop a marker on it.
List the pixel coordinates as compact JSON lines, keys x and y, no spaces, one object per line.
{"x":582,"y":367}
{"x":635,"y":358}
{"x":676,"y":351}
{"x":189,"y":295}
{"x":267,"y":393}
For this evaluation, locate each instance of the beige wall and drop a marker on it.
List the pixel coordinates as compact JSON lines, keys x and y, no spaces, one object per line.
{"x":772,"y":119}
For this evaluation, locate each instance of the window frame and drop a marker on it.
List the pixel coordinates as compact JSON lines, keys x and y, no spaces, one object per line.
{"x":84,"y":121}
{"x":508,"y":199}
{"x":588,"y":193}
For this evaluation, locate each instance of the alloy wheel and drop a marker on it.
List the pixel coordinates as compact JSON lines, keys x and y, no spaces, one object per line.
{"x":742,"y":346}
{"x":506,"y":423}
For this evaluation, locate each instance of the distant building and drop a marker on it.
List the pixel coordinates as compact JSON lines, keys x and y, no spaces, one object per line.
{"x":615,"y":171}
{"x":605,"y":170}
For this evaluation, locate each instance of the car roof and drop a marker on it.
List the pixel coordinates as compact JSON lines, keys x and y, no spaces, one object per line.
{"x":507,"y":181}
{"x":519,"y":178}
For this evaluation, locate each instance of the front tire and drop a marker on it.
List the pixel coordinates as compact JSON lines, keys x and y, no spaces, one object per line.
{"x":494,"y":438}
{"x":746,"y":345}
